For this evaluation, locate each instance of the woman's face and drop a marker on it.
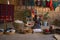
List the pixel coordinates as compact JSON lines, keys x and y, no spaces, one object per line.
{"x":37,"y":17}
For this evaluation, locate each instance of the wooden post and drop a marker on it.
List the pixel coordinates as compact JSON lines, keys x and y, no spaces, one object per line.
{"x":5,"y":24}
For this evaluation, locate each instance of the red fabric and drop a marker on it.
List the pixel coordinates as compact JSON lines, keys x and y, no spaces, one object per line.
{"x":7,"y":18}
{"x":33,"y":13}
{"x":2,"y":17}
{"x":6,"y":12}
{"x":11,"y":12}
{"x":47,"y":4}
{"x":51,"y":5}
{"x":46,"y":30}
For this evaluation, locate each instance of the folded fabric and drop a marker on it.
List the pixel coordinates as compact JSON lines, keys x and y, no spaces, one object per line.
{"x":37,"y":30}
{"x":1,"y":30}
{"x":12,"y":30}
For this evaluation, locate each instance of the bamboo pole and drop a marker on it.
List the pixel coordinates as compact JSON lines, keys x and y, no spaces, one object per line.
{"x":5,"y":24}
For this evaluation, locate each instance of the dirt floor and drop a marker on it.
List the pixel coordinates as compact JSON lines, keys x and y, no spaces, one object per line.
{"x":34,"y":36}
